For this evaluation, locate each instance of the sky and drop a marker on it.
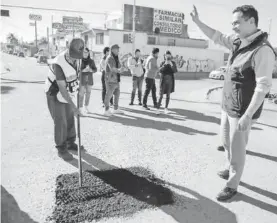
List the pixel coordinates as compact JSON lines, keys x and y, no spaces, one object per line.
{"x":215,"y":13}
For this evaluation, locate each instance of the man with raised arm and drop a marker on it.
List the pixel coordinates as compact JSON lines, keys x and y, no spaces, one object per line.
{"x":248,"y":80}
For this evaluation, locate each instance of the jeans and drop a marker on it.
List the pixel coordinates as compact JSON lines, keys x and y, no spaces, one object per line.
{"x":150,"y":86}
{"x":112,"y":89}
{"x":166,"y":88}
{"x":85,"y":92}
{"x":64,"y":123}
{"x":104,"y":88}
{"x":137,"y":85}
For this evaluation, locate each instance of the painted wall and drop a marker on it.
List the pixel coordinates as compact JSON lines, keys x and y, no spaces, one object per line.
{"x":188,"y":59}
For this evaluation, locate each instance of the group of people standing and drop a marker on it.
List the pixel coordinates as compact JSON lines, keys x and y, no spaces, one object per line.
{"x":140,"y":70}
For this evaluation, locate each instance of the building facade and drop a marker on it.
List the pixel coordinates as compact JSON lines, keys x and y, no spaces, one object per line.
{"x":191,"y":55}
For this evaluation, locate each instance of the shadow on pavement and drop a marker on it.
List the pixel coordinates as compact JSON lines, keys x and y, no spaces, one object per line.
{"x":258,"y":190}
{"x":142,"y":186}
{"x":10,"y":211}
{"x":6,"y":89}
{"x":268,"y":157}
{"x":271,"y":126}
{"x":13,"y":81}
{"x":255,"y":202}
{"x":152,"y":124}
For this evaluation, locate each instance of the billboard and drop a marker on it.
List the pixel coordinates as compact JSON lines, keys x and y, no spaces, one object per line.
{"x":144,"y":18}
{"x":154,"y":20}
{"x":168,"y":21}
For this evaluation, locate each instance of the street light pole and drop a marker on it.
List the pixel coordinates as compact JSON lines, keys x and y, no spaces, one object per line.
{"x":134,"y":26}
{"x":269,"y":28}
{"x":36,"y":36}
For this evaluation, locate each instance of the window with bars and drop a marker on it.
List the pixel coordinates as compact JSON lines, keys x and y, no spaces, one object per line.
{"x":99,"y":38}
{"x":171,"y":42}
{"x":151,"y":40}
{"x":126,"y":38}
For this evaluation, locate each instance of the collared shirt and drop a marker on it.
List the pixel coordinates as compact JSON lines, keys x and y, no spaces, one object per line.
{"x":263,"y":61}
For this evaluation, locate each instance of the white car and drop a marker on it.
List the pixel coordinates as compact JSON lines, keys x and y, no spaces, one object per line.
{"x":218,"y":73}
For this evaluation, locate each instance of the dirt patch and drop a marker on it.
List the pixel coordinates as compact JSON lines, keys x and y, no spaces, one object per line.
{"x":109,"y":193}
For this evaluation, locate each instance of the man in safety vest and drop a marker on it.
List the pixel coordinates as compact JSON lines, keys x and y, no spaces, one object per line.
{"x":61,"y":92}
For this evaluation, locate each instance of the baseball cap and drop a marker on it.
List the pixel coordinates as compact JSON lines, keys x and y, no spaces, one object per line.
{"x":76,"y":48}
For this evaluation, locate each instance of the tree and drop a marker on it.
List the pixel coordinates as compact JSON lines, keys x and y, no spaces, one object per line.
{"x":12,"y":39}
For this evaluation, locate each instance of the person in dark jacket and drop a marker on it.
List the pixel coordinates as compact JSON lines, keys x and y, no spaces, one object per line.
{"x":106,"y":53}
{"x":167,"y":81}
{"x":86,"y":80}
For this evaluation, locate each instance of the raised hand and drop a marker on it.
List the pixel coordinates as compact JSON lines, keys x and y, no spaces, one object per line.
{"x":194,"y":14}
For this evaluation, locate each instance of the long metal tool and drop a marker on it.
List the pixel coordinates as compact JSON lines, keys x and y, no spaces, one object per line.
{"x":79,"y":131}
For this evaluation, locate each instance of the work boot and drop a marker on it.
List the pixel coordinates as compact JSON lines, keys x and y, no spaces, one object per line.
{"x":221,"y":148}
{"x":64,"y":154}
{"x":72,"y":146}
{"x":224,"y":174}
{"x":226,"y":194}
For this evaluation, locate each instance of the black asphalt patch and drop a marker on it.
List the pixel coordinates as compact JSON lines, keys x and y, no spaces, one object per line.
{"x":108,"y":193}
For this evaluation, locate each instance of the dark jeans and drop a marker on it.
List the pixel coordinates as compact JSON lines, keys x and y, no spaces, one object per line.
{"x":166,"y":88}
{"x":150,"y":86}
{"x":104,"y":90}
{"x":137,"y":85}
{"x":64,"y":123}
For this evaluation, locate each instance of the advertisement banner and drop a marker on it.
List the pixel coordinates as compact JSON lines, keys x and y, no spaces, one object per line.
{"x":68,"y":20}
{"x":168,"y":22}
{"x":144,"y":18}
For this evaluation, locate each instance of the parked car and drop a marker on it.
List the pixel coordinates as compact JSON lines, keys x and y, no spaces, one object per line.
{"x":218,"y":73}
{"x":21,"y":54}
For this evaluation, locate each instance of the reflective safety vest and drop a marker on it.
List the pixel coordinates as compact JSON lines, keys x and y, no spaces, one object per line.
{"x":71,"y":77}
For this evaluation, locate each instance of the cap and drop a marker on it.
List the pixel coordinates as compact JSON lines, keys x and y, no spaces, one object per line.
{"x":115,"y":46}
{"x":76,"y":48}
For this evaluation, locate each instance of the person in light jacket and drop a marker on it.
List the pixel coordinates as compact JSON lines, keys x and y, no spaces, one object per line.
{"x":86,"y":80}
{"x":135,"y":64}
{"x":106,"y":53}
{"x":151,"y":71}
{"x":113,"y":69}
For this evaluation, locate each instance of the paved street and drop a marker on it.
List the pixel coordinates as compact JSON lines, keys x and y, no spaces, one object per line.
{"x":179,"y":148}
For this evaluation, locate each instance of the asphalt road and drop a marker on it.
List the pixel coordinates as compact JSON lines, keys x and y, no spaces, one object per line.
{"x":179,"y":148}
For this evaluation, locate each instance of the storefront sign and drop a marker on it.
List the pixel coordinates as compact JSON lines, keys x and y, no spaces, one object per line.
{"x":168,"y":21}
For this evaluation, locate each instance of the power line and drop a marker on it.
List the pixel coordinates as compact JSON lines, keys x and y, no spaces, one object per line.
{"x":58,"y":10}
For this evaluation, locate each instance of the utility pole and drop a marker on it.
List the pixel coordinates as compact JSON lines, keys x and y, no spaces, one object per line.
{"x":134,"y":27}
{"x":48,"y":40}
{"x":36,"y":36}
{"x":269,"y":27}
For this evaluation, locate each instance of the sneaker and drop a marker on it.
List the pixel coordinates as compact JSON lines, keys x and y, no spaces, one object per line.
{"x":108,"y":113}
{"x":131,"y":103}
{"x":87,"y":109}
{"x":221,"y":148}
{"x":226,"y":194}
{"x":117,"y":111}
{"x":224,"y":174}
{"x":65,"y":155}
{"x":158,"y":112}
{"x":166,"y":111}
{"x":145,"y":107}
{"x":82,"y":110}
{"x":140,"y":104}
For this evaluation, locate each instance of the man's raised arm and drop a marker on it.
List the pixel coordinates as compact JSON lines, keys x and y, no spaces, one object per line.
{"x":216,"y":36}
